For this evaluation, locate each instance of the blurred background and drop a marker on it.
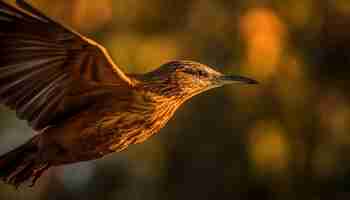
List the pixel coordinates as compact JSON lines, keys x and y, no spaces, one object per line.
{"x":287,"y":138}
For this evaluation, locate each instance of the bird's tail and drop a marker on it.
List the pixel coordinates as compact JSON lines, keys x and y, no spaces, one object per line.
{"x":22,"y":164}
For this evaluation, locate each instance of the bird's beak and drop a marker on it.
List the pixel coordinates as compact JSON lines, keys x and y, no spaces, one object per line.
{"x":230,"y":79}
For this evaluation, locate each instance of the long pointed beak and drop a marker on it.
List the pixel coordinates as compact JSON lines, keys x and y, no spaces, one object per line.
{"x":230,"y":79}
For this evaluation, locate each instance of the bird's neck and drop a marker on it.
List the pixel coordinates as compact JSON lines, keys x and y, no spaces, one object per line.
{"x":162,"y":86}
{"x":153,"y":110}
{"x":164,"y":93}
{"x":162,"y":99}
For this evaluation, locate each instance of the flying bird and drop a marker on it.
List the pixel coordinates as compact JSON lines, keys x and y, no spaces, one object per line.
{"x":81,"y":104}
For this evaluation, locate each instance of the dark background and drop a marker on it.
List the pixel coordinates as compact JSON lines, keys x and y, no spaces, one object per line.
{"x":287,"y":138}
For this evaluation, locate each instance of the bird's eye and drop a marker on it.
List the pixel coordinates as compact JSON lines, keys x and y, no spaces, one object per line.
{"x":195,"y":72}
{"x":201,"y":73}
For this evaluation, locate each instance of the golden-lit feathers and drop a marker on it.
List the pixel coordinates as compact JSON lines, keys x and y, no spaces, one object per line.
{"x":42,"y":63}
{"x":67,"y":86}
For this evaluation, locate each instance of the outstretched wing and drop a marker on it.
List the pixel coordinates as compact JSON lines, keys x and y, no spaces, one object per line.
{"x":43,"y":64}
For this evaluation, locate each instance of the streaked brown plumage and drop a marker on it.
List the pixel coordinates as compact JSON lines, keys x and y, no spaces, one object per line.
{"x":67,"y":88}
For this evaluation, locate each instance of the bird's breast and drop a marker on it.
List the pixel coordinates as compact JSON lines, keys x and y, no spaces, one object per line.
{"x":113,"y":125}
{"x":137,"y":124}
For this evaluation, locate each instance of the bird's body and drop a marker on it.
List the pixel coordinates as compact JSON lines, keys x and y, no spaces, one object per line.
{"x":109,"y":126}
{"x":70,"y":91}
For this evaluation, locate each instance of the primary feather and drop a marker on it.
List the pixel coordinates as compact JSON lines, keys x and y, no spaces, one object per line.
{"x":41,"y":62}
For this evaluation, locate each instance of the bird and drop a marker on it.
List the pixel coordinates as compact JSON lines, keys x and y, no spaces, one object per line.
{"x":79,"y":103}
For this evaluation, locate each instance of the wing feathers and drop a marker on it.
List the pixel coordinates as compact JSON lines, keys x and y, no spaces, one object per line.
{"x":15,"y":38}
{"x":27,"y":85}
{"x":40,"y":97}
{"x":34,"y":88}
{"x":48,"y":112}
{"x":32,"y":65}
{"x":39,"y":100}
{"x":6,"y":8}
{"x":35,"y":12}
{"x":43,"y":64}
{"x":6,"y":16}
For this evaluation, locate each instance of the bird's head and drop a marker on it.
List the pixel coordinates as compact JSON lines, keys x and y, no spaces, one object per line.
{"x":188,"y":78}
